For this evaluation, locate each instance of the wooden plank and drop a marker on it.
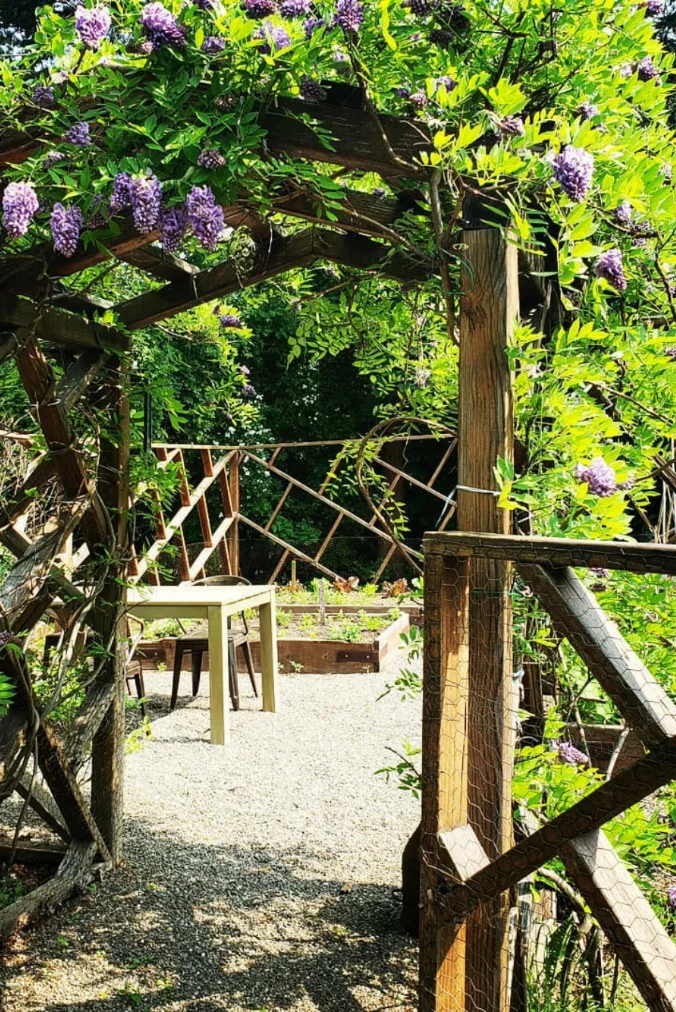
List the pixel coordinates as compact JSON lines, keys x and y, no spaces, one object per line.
{"x":557,"y":552}
{"x":79,"y":375}
{"x":577,"y":615}
{"x":489,"y":311}
{"x":460,"y":847}
{"x":206,"y":553}
{"x":26,"y":494}
{"x":233,"y":495}
{"x":613,"y":797}
{"x":73,"y":873}
{"x":444,"y":758}
{"x":639,"y":938}
{"x":356,"y":140}
{"x":410,"y":479}
{"x":359,"y":211}
{"x":58,"y":326}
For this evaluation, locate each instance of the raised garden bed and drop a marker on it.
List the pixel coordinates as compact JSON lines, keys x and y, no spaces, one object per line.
{"x":349,"y":640}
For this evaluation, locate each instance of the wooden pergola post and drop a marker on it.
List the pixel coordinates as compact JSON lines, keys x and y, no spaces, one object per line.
{"x":109,"y":618}
{"x":469,"y":719}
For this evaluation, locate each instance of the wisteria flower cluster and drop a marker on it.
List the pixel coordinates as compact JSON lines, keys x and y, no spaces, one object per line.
{"x":601,"y":478}
{"x":145,"y":197}
{"x":92,"y":25}
{"x":205,"y":216}
{"x":161,"y":27}
{"x":78,"y":134}
{"x":229,"y":320}
{"x":173,"y":227}
{"x":19,"y":204}
{"x":66,"y":225}
{"x":311,"y":90}
{"x":570,"y":755}
{"x":610,"y":266}
{"x":573,"y":171}
{"x":43,"y":97}
{"x":210,"y":158}
{"x":272,"y":35}
{"x":349,"y":16}
{"x":213,"y":44}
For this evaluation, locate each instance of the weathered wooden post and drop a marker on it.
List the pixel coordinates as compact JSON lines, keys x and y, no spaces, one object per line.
{"x":108,"y":617}
{"x":468,"y":715}
{"x":233,"y":533}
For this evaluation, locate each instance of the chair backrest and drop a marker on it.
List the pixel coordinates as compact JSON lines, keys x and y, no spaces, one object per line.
{"x":222,"y":581}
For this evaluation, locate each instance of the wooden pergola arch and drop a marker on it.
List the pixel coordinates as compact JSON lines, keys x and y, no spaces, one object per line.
{"x":41,"y":316}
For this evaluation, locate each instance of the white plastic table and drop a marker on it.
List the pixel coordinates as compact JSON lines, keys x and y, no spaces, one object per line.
{"x":216,"y":604}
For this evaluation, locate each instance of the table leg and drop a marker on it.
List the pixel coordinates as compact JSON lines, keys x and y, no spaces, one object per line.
{"x":218,"y":676}
{"x":268,"y":625}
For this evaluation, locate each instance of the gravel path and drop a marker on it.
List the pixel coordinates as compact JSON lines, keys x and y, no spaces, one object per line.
{"x":262,"y":876}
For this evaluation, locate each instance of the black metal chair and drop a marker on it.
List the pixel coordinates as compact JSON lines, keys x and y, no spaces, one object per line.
{"x":197,"y":644}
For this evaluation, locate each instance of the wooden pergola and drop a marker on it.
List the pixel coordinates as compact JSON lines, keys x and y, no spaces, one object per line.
{"x":468,"y":754}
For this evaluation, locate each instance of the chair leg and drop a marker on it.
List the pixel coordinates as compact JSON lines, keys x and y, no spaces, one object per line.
{"x":178,"y":661}
{"x":196,"y":671}
{"x":140,"y":689}
{"x":248,"y":657}
{"x":232,"y":675}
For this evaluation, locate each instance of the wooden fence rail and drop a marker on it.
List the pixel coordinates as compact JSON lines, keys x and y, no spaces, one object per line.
{"x":465,"y":880}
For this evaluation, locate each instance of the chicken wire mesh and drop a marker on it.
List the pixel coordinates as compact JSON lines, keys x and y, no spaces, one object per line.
{"x":549,"y":749}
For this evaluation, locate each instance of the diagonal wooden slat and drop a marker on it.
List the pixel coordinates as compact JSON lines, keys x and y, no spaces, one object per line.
{"x":289,"y":548}
{"x":79,"y":375}
{"x":639,"y":938}
{"x":577,"y":615}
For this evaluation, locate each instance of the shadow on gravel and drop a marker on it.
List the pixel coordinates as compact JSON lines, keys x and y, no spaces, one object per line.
{"x":211,"y":927}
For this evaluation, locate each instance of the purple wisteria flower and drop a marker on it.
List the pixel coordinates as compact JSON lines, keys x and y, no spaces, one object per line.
{"x":622,"y":213}
{"x":402,"y":91}
{"x":571,"y":755}
{"x":512,"y":126}
{"x":213,"y":44}
{"x":646,"y":69}
{"x":609,"y":266}
{"x":244,"y":369}
{"x":259,"y":9}
{"x":78,"y":135}
{"x":295,"y":8}
{"x":145,"y":196}
{"x":205,"y":216}
{"x":5,"y":637}
{"x":173,"y":225}
{"x":92,"y":25}
{"x":232,"y":320}
{"x":418,"y":100}
{"x":204,"y":5}
{"x":310,"y":26}
{"x":599,"y":476}
{"x":671,"y":896}
{"x":311,"y":90}
{"x":160,"y":26}
{"x":52,"y":157}
{"x":587,"y":110}
{"x":248,"y":390}
{"x":66,"y":225}
{"x":210,"y":158}
{"x":573,"y":171}
{"x":654,"y":8}
{"x":120,"y":197}
{"x":272,"y":35}
{"x":349,"y":16}
{"x":19,"y":204}
{"x":43,"y":97}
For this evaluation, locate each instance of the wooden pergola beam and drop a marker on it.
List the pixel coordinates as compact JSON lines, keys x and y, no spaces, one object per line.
{"x":284,"y":254}
{"x":55,"y":326}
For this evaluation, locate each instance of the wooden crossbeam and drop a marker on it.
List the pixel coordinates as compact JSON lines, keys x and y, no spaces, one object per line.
{"x":627,"y":788}
{"x":557,"y":552}
{"x":577,"y":615}
{"x":281,"y":255}
{"x":43,"y":804}
{"x":636,"y":933}
{"x":57,"y":326}
{"x":79,"y":375}
{"x":218,"y":538}
{"x":27,"y":852}
{"x":358,"y":211}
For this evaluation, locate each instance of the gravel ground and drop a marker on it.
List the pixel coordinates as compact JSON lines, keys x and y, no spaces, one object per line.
{"x":262,"y":876}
